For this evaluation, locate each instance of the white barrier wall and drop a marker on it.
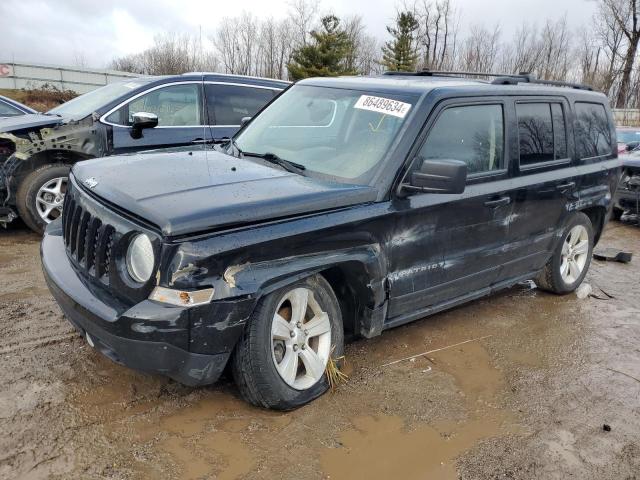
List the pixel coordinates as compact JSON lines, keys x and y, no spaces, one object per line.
{"x":80,"y":80}
{"x":627,"y":117}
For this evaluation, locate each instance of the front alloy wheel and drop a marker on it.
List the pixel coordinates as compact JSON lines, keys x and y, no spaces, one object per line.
{"x":49,"y":199}
{"x":280,"y":360}
{"x":41,"y":194}
{"x":301,"y":339}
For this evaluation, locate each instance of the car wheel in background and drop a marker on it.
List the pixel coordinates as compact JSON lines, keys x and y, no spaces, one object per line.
{"x":41,"y":194}
{"x":281,"y":359}
{"x":569,"y":264}
{"x":616,"y":213}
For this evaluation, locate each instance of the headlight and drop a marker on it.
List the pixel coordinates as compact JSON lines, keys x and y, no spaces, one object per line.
{"x":140,"y":258}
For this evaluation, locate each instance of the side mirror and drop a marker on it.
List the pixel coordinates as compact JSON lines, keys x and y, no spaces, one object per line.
{"x":142,"y":120}
{"x":244,"y":121}
{"x":439,"y":176}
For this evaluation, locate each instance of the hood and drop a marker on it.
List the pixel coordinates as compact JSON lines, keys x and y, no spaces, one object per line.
{"x":32,"y":120}
{"x":631,"y":159}
{"x":188,"y":193}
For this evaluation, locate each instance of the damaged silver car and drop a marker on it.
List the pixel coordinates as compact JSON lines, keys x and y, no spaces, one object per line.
{"x":38,"y":150}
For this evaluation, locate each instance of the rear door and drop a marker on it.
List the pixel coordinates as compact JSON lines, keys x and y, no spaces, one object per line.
{"x":546,"y":182}
{"x":181,"y":118}
{"x":227,"y":104}
{"x":454,"y":244}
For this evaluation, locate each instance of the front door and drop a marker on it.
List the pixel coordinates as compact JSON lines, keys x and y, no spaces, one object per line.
{"x":180,"y":112}
{"x":455,"y":243}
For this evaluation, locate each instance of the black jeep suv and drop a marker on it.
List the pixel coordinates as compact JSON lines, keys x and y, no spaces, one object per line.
{"x":346,"y":207}
{"x":37,"y":150}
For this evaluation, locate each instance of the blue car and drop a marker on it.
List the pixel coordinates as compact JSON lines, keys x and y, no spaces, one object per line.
{"x":37,"y":150}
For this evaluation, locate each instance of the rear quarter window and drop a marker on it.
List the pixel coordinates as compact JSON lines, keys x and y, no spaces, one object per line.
{"x":593,"y":131}
{"x":229,"y":104}
{"x":541,"y":132}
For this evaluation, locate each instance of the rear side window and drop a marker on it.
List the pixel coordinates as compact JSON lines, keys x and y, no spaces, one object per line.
{"x":541,"y":132}
{"x":473,"y":134}
{"x":593,"y":132}
{"x":228,"y":104}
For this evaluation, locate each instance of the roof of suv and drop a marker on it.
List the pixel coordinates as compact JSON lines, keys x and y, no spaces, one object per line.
{"x":424,"y":84}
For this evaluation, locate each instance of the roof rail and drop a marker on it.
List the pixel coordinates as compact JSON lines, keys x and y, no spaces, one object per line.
{"x":499,"y":78}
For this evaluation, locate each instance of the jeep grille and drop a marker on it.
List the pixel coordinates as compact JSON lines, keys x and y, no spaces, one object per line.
{"x":87,"y":239}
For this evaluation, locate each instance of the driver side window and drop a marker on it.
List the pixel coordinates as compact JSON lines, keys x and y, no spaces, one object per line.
{"x":175,"y":106}
{"x":473,"y":134}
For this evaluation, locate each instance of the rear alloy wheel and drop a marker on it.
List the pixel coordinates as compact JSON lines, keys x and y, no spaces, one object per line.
{"x":41,"y":194}
{"x":573,"y":258}
{"x":281,"y":359}
{"x":568,"y":266}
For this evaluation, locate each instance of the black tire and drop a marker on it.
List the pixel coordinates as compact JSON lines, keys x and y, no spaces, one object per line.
{"x":616,"y":213}
{"x":28,"y":190}
{"x":253,"y":366}
{"x":550,"y":278}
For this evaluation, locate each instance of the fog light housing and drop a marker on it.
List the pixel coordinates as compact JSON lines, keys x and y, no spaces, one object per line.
{"x":181,"y":298}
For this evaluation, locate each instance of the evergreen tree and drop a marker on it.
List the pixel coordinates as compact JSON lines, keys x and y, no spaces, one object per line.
{"x":399,"y":53}
{"x":325,"y":55}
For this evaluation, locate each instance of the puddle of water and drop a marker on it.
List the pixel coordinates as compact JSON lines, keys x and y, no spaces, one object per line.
{"x":219,"y":455}
{"x":381,"y":447}
{"x":205,"y":438}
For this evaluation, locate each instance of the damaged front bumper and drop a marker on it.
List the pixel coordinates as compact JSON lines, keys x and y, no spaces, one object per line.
{"x":7,"y":211}
{"x":181,"y":343}
{"x":627,"y":196}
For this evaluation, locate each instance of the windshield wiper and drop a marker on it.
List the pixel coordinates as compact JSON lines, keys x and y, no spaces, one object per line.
{"x":276,"y":160}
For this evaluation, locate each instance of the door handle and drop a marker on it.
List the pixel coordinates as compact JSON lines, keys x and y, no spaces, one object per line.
{"x":498,"y":202}
{"x":566,"y":186}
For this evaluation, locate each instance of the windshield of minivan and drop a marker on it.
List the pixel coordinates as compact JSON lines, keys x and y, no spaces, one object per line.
{"x":337,"y":132}
{"x":88,"y":103}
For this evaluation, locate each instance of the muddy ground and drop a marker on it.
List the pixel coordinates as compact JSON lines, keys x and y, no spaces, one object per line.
{"x":527,"y":398}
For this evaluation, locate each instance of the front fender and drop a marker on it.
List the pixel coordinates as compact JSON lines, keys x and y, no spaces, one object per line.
{"x":262,"y":278}
{"x":363,"y":269}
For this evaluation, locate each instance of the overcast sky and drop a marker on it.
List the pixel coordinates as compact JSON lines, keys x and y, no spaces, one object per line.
{"x":63,"y":31}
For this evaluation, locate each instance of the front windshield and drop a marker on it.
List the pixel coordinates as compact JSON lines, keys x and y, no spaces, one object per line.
{"x":333,"y":131}
{"x":88,"y":103}
{"x":628,"y":136}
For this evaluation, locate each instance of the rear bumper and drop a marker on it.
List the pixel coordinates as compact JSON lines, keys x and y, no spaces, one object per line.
{"x":122,"y":335}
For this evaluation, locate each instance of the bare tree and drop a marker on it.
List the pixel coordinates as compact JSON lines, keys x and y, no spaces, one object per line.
{"x":171,"y":54}
{"x":302,"y":16}
{"x":555,"y":49}
{"x":437,"y":34}
{"x":364,"y":56}
{"x":274,"y":48}
{"x":227,"y":42}
{"x":626,"y":14}
{"x":480,"y":50}
{"x":523,"y":52}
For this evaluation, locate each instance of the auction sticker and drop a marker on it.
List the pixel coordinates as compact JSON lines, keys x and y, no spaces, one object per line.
{"x":383,"y":105}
